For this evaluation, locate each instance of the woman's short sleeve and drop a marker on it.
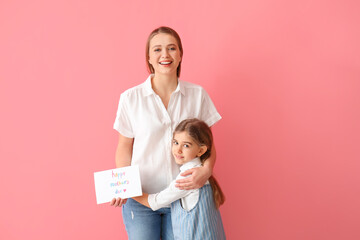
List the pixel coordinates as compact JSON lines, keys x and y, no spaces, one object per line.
{"x":122,"y":122}
{"x":209,"y":114}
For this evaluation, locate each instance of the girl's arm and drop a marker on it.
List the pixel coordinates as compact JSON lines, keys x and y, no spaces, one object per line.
{"x":122,"y":159}
{"x":198,"y":176}
{"x":162,"y":199}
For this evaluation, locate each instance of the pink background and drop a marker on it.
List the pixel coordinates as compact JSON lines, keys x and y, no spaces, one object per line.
{"x":285,"y":76}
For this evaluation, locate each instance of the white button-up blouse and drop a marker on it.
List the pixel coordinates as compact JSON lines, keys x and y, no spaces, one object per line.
{"x":142,"y":115}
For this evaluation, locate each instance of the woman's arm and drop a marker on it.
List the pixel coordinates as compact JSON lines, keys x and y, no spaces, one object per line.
{"x":124,"y":151}
{"x":198,"y":176}
{"x":122,"y":159}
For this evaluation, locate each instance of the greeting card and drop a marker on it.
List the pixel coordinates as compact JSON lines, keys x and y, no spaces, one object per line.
{"x":119,"y":182}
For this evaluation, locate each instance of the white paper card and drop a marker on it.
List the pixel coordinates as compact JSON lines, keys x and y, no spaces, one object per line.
{"x":119,"y":182}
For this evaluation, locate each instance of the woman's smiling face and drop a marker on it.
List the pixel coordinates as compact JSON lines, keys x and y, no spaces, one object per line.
{"x":164,"y":54}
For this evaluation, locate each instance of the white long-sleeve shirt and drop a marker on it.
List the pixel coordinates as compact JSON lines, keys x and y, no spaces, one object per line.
{"x":189,"y":198}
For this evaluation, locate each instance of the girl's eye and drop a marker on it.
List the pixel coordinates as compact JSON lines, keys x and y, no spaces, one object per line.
{"x":186,"y":146}
{"x":175,"y":142}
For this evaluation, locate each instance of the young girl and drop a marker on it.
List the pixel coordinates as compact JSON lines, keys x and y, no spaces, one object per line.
{"x":194,"y":213}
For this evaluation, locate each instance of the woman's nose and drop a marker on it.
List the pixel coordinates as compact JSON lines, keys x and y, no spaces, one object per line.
{"x":164,"y":53}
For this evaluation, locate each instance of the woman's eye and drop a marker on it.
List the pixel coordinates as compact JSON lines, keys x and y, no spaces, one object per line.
{"x":157,"y":50}
{"x":172,"y":48}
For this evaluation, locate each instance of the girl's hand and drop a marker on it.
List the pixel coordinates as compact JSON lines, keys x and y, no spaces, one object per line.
{"x":117,"y":202}
{"x":197,"y":177}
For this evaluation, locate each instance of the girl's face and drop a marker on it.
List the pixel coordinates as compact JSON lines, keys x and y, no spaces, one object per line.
{"x":184,"y":149}
{"x":164,"y":54}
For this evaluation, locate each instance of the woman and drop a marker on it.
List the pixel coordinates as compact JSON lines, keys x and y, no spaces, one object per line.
{"x":146,"y":117}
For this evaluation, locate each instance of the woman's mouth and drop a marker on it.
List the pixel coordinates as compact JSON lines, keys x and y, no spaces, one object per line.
{"x":165,"y":63}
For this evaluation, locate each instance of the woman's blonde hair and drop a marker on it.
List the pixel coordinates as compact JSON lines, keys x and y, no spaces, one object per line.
{"x":166,"y":30}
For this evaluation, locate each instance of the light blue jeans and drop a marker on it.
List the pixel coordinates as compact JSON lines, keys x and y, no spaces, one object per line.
{"x":142,"y":223}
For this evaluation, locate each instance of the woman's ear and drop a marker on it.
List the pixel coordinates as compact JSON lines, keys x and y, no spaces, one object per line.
{"x":202,"y":150}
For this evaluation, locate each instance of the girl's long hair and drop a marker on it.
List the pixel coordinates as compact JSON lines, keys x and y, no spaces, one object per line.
{"x":202,"y":135}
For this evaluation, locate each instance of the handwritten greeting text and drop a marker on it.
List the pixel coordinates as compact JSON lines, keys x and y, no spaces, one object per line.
{"x":120,"y":182}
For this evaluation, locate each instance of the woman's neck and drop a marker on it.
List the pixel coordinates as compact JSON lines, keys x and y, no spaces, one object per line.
{"x":164,"y":85}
